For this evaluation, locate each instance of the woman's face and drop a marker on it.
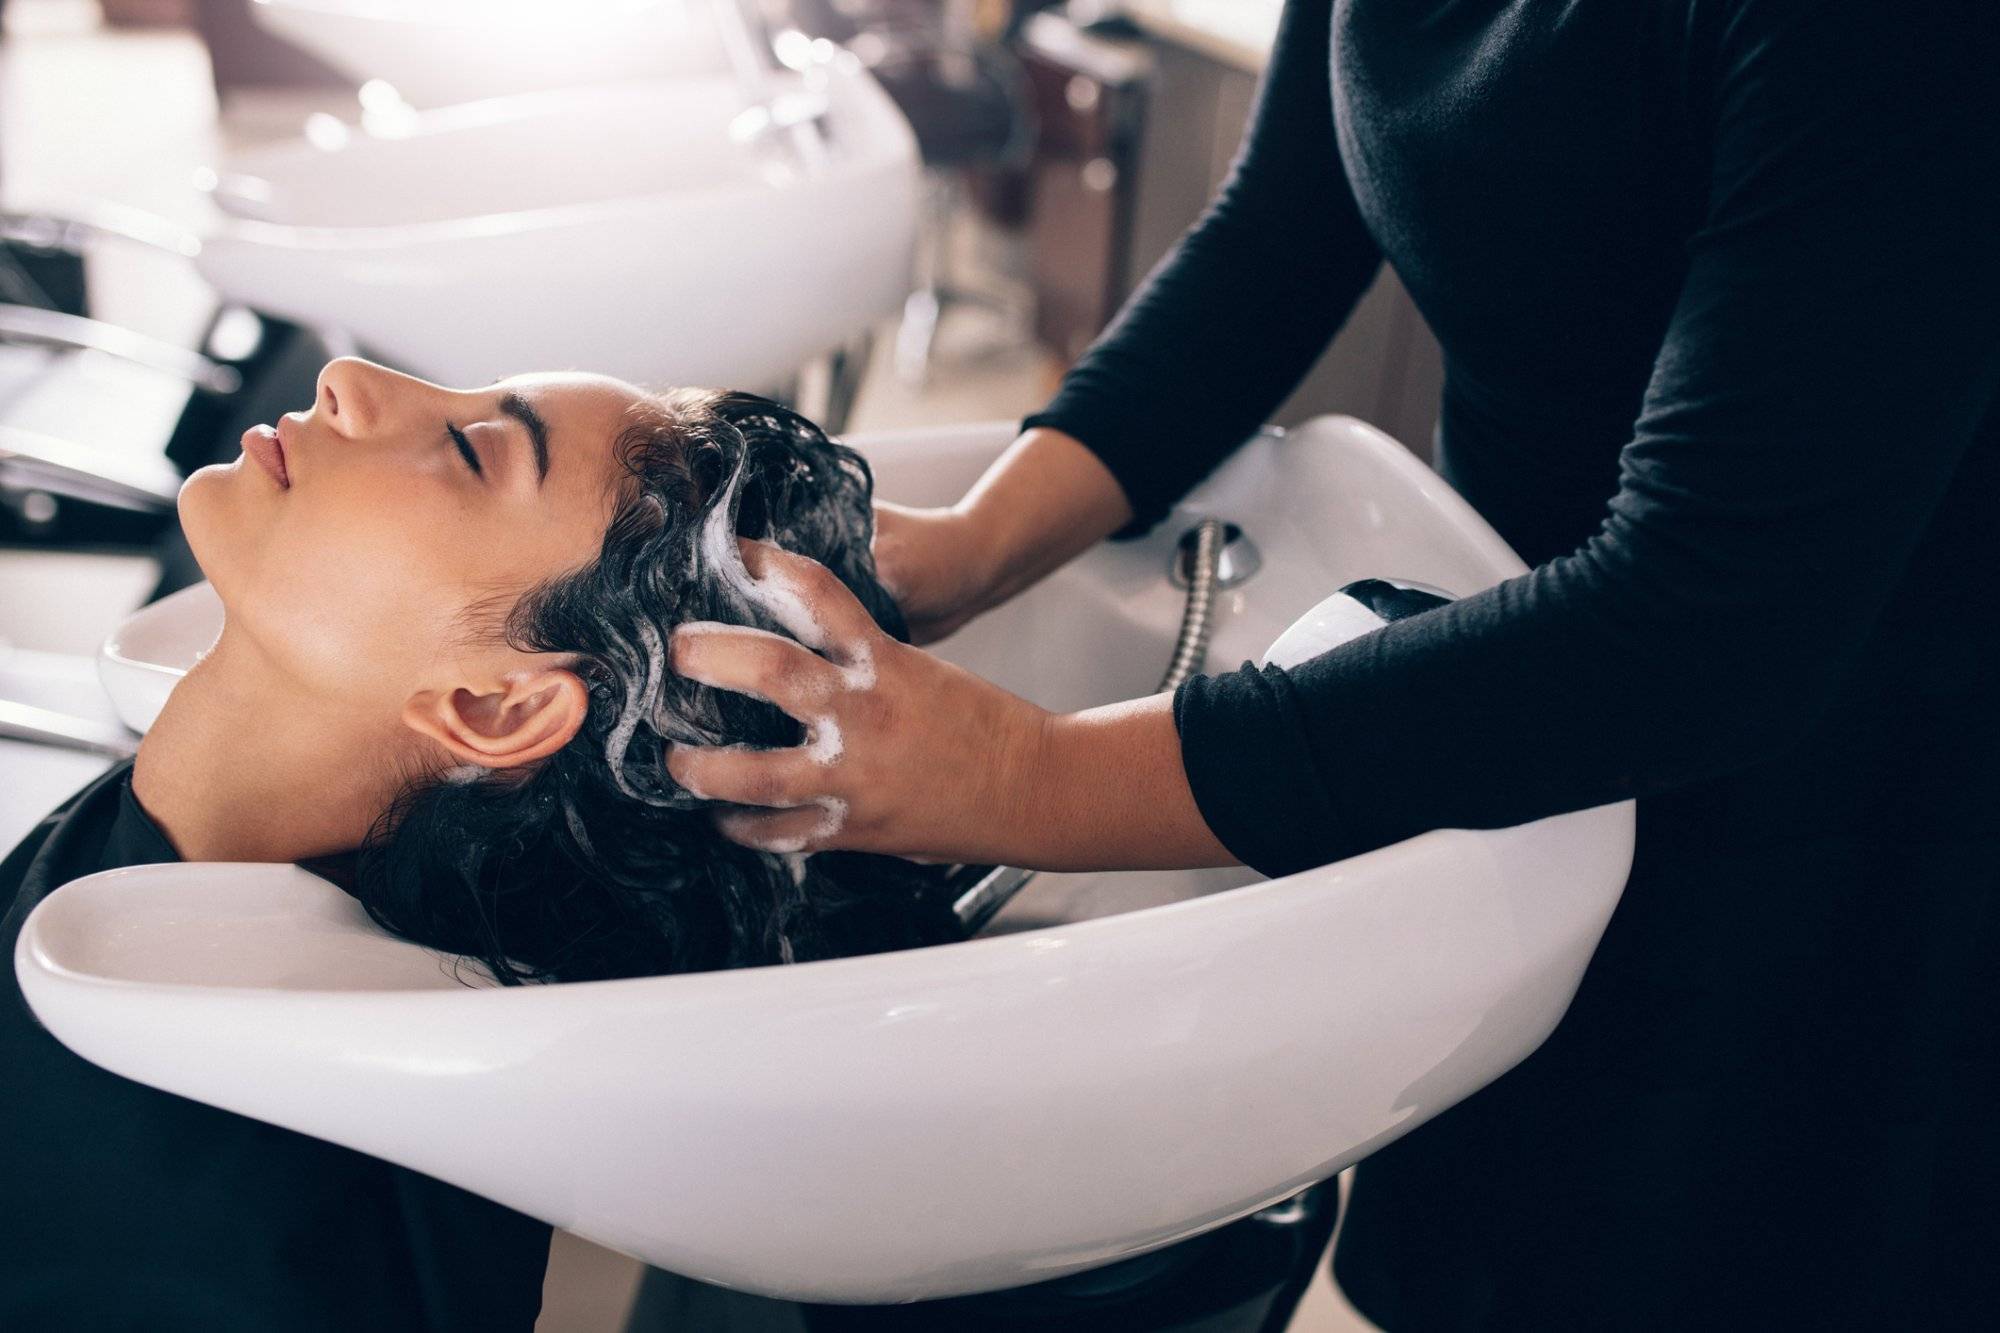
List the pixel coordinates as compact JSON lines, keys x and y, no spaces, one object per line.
{"x":361,"y":544}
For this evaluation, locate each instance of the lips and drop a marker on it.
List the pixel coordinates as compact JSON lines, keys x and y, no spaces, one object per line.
{"x":262,"y":447}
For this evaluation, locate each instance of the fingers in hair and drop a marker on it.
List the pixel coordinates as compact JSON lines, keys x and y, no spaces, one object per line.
{"x":743,"y":775}
{"x":802,"y":590}
{"x":808,"y":828}
{"x":758,"y":663}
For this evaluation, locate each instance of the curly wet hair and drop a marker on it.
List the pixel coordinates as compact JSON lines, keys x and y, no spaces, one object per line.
{"x":596,"y":864}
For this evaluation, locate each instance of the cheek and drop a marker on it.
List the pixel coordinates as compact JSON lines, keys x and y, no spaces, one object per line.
{"x":354,"y":601}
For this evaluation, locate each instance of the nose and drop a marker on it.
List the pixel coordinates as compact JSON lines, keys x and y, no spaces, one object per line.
{"x":343,"y":400}
{"x":360,"y":399}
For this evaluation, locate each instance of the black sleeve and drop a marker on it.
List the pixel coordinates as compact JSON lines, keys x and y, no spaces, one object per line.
{"x":1230,"y":321}
{"x":1834,"y":346}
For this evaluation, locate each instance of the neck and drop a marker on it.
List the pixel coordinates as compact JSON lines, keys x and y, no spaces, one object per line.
{"x":236,"y":770}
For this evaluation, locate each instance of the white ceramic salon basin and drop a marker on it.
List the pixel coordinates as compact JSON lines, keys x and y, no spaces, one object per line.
{"x":630,"y":228}
{"x":944,"y":1120}
{"x":143,"y":659}
{"x":515,"y":154}
{"x":436,"y":52}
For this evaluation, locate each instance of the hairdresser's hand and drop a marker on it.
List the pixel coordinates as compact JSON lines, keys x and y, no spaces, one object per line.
{"x":903,"y":752}
{"x":909,"y":755}
{"x":933,"y":563}
{"x":1042,"y":502}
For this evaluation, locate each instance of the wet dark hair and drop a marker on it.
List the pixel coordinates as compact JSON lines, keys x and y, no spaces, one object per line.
{"x":596,"y":864}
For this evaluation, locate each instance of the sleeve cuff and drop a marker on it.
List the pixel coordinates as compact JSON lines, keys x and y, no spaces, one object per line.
{"x":1148,"y":505}
{"x":1254,"y":776}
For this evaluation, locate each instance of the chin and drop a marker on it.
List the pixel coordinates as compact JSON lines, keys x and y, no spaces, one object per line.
{"x":210,"y":516}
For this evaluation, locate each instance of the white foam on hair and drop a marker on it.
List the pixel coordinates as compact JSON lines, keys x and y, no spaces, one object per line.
{"x":654,"y":650}
{"x":671,"y":726}
{"x":780,"y":598}
{"x":776,"y":595}
{"x":460,"y":774}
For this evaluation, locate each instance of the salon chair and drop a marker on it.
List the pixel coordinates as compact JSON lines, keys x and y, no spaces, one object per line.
{"x":1122,"y":1062}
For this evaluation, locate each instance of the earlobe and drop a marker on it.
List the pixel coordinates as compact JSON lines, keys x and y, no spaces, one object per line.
{"x":522,"y":719}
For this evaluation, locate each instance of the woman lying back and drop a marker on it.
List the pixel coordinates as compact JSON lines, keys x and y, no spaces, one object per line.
{"x":446,"y":662}
{"x":447,"y":645}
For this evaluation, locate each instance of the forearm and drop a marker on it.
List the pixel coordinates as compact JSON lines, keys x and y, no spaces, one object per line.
{"x":910,"y":755}
{"x":1105,"y":790}
{"x":1042,"y":503}
{"x":1226,"y":326}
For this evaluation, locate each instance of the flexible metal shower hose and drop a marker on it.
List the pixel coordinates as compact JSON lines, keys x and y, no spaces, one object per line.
{"x":991,"y":888}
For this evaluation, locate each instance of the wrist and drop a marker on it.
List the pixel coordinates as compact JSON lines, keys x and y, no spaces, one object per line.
{"x":1044,"y":501}
{"x":983,"y":556}
{"x":1104,"y":789}
{"x":1021,"y":800}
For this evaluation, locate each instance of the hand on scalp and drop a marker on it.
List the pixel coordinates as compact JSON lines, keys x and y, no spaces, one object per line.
{"x":929,"y":561}
{"x":904,"y":753}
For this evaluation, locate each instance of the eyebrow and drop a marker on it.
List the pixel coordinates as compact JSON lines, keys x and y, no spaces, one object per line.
{"x":519,"y":408}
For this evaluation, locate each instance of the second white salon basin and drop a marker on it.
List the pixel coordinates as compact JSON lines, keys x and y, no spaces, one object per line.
{"x":437,"y":52}
{"x":642,"y":230}
{"x":503,"y":155}
{"x":943,"y":1120}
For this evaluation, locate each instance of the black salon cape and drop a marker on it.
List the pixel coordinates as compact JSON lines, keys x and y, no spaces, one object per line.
{"x":1718,"y":288}
{"x":123,"y":1208}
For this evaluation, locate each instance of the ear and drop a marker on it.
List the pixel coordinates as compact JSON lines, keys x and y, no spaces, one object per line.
{"x":525,"y":717}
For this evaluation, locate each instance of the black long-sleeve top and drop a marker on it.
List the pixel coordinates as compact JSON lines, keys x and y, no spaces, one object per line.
{"x":1718,"y":288}
{"x":123,"y":1208}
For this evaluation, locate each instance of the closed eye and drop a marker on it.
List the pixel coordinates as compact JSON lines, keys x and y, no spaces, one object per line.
{"x":465,"y":450}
